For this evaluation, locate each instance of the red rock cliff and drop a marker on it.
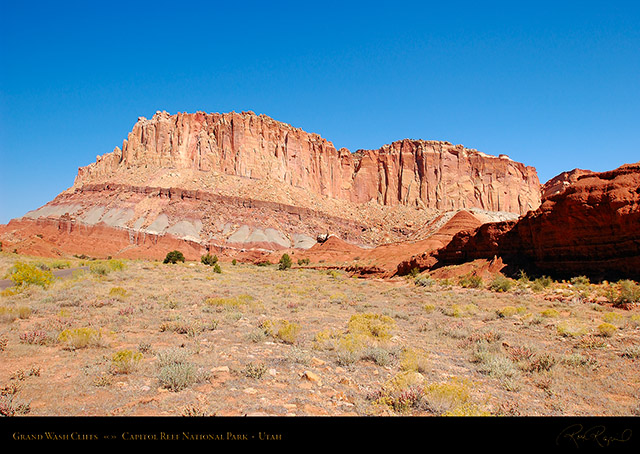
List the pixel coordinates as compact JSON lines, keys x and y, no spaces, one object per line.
{"x":591,"y":228}
{"x":428,"y":174}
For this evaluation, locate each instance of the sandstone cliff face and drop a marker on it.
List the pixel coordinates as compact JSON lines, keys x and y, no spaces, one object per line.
{"x":559,"y":183}
{"x":426,"y":174}
{"x":591,"y":228}
{"x":233,"y":182}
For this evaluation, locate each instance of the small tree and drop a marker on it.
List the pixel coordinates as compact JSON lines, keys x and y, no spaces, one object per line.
{"x":209,"y":259}
{"x":285,"y":262}
{"x":174,"y":257}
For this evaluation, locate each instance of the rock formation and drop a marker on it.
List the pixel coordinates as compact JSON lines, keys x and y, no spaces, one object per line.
{"x":233,"y":183}
{"x":591,"y":228}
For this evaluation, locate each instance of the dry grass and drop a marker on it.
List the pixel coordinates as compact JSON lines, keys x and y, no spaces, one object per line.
{"x":132,"y":338}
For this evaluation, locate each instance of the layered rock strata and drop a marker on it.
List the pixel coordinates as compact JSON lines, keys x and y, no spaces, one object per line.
{"x":590,"y":228}
{"x":238,"y":182}
{"x":428,"y":174}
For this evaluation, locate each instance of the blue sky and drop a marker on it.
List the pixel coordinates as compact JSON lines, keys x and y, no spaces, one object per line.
{"x":555,"y":85}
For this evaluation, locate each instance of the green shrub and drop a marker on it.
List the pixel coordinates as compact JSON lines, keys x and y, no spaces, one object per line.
{"x":580,"y":281}
{"x":99,"y":268}
{"x":285,"y":262}
{"x":209,"y":259}
{"x":424,"y":281}
{"x":507,"y":311}
{"x":375,"y":326}
{"x":125,"y":361}
{"x":628,"y":293}
{"x":80,"y":338}
{"x":413,"y":359}
{"x":304,"y":261}
{"x":501,"y":284}
{"x":284,"y":330}
{"x":550,"y":313}
{"x":234,"y":262}
{"x":217,"y":269}
{"x":470,"y":281}
{"x":607,"y":329}
{"x":118,"y":293}
{"x":174,"y":257}
{"x":25,"y":274}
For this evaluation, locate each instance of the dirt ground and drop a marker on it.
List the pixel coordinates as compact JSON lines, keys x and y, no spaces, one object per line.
{"x":142,"y":338}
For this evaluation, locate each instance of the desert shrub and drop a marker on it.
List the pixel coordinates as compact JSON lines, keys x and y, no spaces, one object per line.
{"x":424,"y":281}
{"x":470,"y":281}
{"x":60,"y":264}
{"x":80,"y":338}
{"x":209,"y":259}
{"x":579,"y":281}
{"x":175,"y":372}
{"x":591,"y":342}
{"x":36,"y":337}
{"x":375,"y":326}
{"x":491,"y":361}
{"x":523,"y":277}
{"x":550,"y":313}
{"x":414,"y":359}
{"x":178,"y":376}
{"x":189,"y":328}
{"x":9,"y":314}
{"x":378,"y":355}
{"x":429,"y":307}
{"x":229,"y":303}
{"x":541,"y":283}
{"x":304,"y":261}
{"x":10,"y":405}
{"x":284,"y":330}
{"x":263,"y":263}
{"x":234,"y":262}
{"x":174,"y":257}
{"x":451,"y":398}
{"x":580,"y":360}
{"x":256,"y":371}
{"x":326,"y":339}
{"x":217,"y":269}
{"x":507,"y":311}
{"x":607,"y":329}
{"x":116,"y":265}
{"x":118,"y":293}
{"x":501,"y":284}
{"x":628,"y":293}
{"x":457,"y":310}
{"x":541,"y":363}
{"x":613,"y":318}
{"x":569,"y":329}
{"x":285,"y":262}
{"x":99,"y":268}
{"x":125,"y":361}
{"x":26,"y":274}
{"x":256,"y":335}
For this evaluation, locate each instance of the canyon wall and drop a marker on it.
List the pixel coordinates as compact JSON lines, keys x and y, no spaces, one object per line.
{"x":427,"y":174}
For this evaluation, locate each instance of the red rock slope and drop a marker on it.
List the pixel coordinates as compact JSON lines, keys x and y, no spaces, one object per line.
{"x":591,"y":228}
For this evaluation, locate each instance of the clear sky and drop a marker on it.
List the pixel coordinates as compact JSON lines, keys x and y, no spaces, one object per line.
{"x":552,"y":84}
